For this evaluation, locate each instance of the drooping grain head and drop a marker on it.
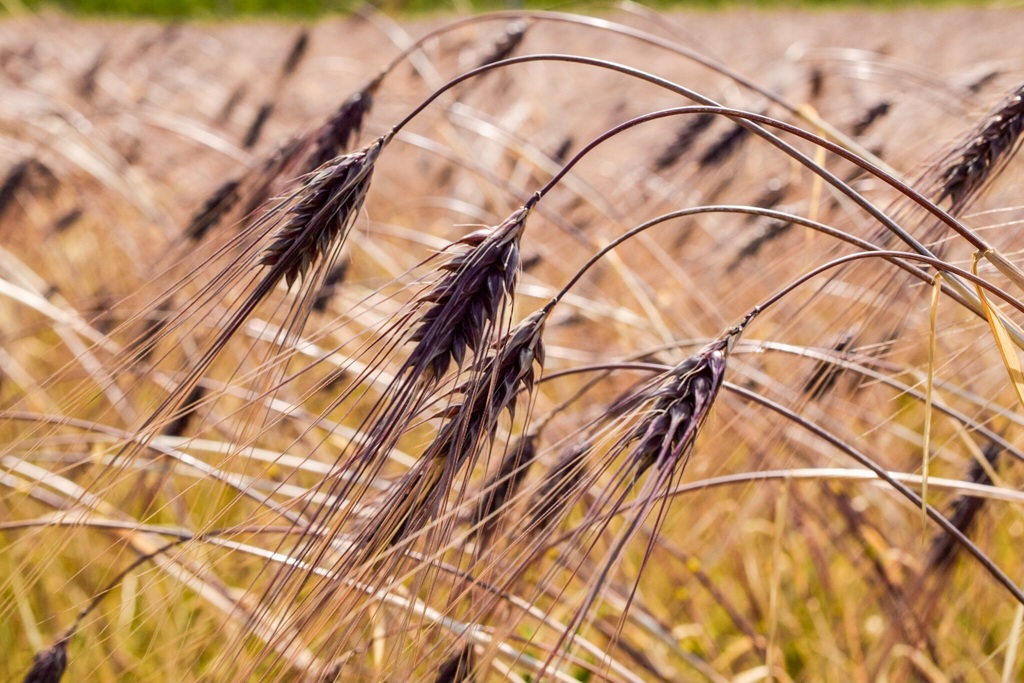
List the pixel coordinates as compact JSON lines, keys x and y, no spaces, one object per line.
{"x":493,"y":388}
{"x":296,"y":54}
{"x":683,"y":141}
{"x":323,"y":213}
{"x":724,"y":147}
{"x":507,"y":44}
{"x":554,"y":496}
{"x":255,"y":131}
{"x":285,"y":156}
{"x":496,"y":386}
{"x":980,"y":158}
{"x":49,"y":665}
{"x":964,"y":515}
{"x":682,"y":403}
{"x":516,"y":363}
{"x":338,"y":133}
{"x":465,"y":303}
{"x":216,"y":206}
{"x":458,"y":668}
{"x":871,"y":116}
{"x":503,"y":486}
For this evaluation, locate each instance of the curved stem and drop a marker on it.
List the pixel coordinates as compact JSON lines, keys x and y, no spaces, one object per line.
{"x":725,"y":208}
{"x":935,"y":263}
{"x":743,"y":115}
{"x":881,"y":473}
{"x":751,"y":122}
{"x":643,"y":37}
{"x":746,"y":119}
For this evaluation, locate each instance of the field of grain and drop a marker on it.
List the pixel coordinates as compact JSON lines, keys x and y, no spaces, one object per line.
{"x":616,"y":346}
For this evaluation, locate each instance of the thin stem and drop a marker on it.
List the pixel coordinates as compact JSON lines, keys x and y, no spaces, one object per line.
{"x":881,"y":473}
{"x":727,"y":208}
{"x":746,"y":119}
{"x":892,"y":256}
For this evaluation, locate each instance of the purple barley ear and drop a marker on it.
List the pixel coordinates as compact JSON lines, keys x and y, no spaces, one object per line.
{"x":338,"y":133}
{"x":683,"y":141}
{"x":458,"y":668}
{"x":469,"y":297}
{"x":320,"y":218}
{"x":503,"y":48}
{"x":556,"y":493}
{"x":682,"y":403}
{"x":216,"y":206}
{"x":870,"y":117}
{"x":296,"y":54}
{"x":964,"y":514}
{"x":259,"y":186}
{"x":14,"y":180}
{"x":983,"y":155}
{"x":49,"y":665}
{"x":252,"y":135}
{"x":502,"y":487}
{"x":511,"y":368}
{"x":724,"y":147}
{"x":493,"y":387}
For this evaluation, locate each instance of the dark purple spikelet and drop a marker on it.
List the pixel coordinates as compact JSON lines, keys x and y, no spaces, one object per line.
{"x":724,"y":147}
{"x":870,"y":117}
{"x":965,"y":512}
{"x":213,"y":210}
{"x":514,"y":365}
{"x":325,"y":210}
{"x":466,"y":301}
{"x":273,"y":166}
{"x":503,"y":485}
{"x":682,"y":403}
{"x":49,"y":665}
{"x":335,"y":276}
{"x":506,"y":45}
{"x":493,"y":388}
{"x":509,"y":370}
{"x":339,"y":132}
{"x":15,"y":178}
{"x":252,"y":136}
{"x":980,"y":159}
{"x":683,"y":141}
{"x":295,"y":55}
{"x":555,"y":493}
{"x":458,"y":668}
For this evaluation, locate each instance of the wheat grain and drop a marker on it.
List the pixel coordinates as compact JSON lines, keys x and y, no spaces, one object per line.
{"x":982,"y":156}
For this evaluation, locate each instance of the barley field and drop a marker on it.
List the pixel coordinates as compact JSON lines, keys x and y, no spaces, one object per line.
{"x":531,"y":346}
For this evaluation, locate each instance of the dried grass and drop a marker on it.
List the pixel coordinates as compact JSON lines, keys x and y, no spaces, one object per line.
{"x":300,"y":430}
